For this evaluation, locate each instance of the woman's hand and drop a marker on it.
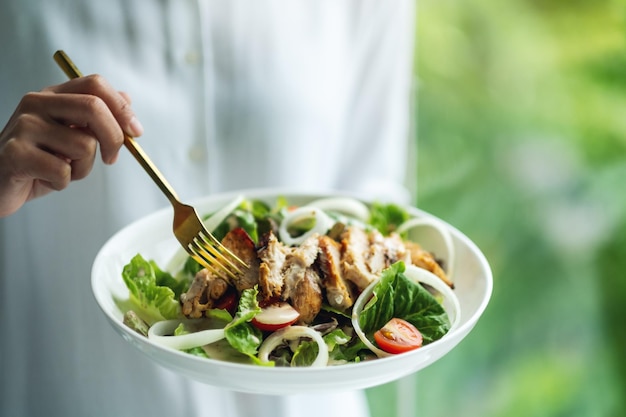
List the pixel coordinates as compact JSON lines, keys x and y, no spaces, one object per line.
{"x":53,"y":135}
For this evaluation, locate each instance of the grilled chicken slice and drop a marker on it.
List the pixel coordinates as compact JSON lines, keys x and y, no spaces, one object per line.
{"x":241,"y":244}
{"x":296,"y":262}
{"x":376,"y":255}
{"x":385,"y":251}
{"x":306,"y":253}
{"x":204,"y":290}
{"x":424,"y":259}
{"x":338,"y":291}
{"x":301,"y":282}
{"x":395,"y":249}
{"x":206,"y":287}
{"x":306,"y":296}
{"x":272,"y":255}
{"x":355,"y":246}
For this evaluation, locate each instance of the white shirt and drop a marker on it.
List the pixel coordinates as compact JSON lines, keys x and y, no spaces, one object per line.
{"x":232,"y":95}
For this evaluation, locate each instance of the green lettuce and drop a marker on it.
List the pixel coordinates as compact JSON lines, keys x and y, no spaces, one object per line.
{"x":340,"y":346}
{"x":153,"y":292}
{"x":240,"y":217}
{"x":387,"y":217}
{"x":354,"y":350}
{"x":397,"y":296}
{"x":305,"y":354}
{"x":240,"y":333}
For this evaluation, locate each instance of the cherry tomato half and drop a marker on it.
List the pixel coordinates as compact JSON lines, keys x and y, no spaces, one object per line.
{"x":398,"y":336}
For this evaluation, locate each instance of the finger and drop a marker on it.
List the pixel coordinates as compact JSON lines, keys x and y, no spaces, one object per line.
{"x":29,"y":162}
{"x":126,"y":97}
{"x":76,"y":146}
{"x":50,"y":170}
{"x":118,"y":104}
{"x":44,"y":132}
{"x":85,"y":111}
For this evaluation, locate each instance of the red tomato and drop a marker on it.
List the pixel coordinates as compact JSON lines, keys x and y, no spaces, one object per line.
{"x":228,"y":301}
{"x":398,"y":336}
{"x":275,"y":316}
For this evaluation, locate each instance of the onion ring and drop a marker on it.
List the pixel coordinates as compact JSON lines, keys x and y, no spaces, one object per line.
{"x":441,"y":229}
{"x":161,"y":333}
{"x":291,"y":333}
{"x":345,"y":205}
{"x":322,"y":224}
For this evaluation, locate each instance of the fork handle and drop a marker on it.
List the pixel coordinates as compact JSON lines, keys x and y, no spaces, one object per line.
{"x":72,"y":71}
{"x":151,"y":169}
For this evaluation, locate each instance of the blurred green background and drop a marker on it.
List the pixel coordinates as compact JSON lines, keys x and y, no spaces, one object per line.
{"x":521,"y":131}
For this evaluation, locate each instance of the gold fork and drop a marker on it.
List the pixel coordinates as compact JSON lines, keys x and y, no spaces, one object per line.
{"x":188,"y":228}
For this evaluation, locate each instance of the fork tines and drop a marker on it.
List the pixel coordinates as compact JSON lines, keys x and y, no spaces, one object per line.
{"x":211,"y":254}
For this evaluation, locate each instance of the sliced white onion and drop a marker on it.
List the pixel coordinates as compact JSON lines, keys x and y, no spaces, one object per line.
{"x":450,"y":300}
{"x":345,"y":205}
{"x":356,"y":311}
{"x":218,"y":217}
{"x":293,"y":333}
{"x":180,"y":257}
{"x":322,"y":224}
{"x":443,"y":231}
{"x":161,"y":333}
{"x":418,"y":275}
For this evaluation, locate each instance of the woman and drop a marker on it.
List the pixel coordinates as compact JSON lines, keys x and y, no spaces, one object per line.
{"x":231,"y":95}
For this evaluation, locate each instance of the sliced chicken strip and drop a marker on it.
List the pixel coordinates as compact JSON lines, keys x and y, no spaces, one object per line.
{"x":296,"y":262}
{"x":306,"y":296}
{"x":338,"y":291}
{"x":424,"y":259}
{"x":241,"y":244}
{"x":355,"y":247}
{"x":204,"y":290}
{"x":272,"y":255}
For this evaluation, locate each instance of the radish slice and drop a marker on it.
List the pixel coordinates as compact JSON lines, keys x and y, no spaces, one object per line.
{"x":418,"y":275}
{"x":161,"y":333}
{"x":293,"y":333}
{"x":347,"y":206}
{"x":275,"y":316}
{"x":322,"y":224}
{"x":441,"y":229}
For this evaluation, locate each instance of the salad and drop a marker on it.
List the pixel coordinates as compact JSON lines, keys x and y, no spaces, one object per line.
{"x":331,"y":282}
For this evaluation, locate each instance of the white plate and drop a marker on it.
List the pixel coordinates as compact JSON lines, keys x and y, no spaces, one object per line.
{"x":152,"y":237}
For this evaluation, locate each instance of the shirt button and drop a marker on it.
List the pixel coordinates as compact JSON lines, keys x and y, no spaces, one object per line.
{"x":192,"y":57}
{"x":197,"y":154}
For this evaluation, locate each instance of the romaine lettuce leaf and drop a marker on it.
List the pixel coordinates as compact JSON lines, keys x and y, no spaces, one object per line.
{"x":240,"y":333}
{"x":150,"y":294}
{"x":353,"y":351}
{"x":243,"y":216}
{"x":397,"y":296}
{"x":387,"y":217}
{"x":165,"y":279}
{"x":305,"y":354}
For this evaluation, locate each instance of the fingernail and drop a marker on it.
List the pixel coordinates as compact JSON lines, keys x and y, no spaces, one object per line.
{"x":136,"y":129}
